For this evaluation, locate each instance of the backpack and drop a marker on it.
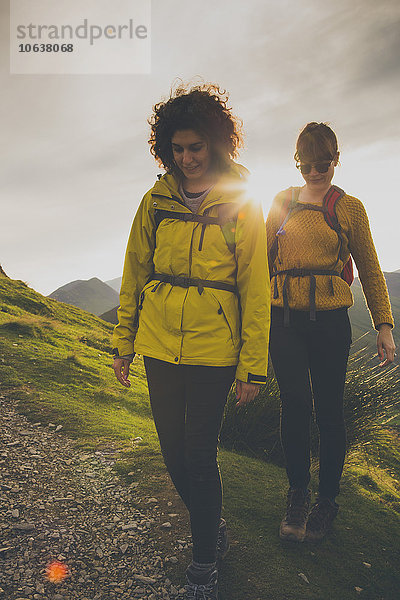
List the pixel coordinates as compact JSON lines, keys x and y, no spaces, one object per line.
{"x":329,"y":211}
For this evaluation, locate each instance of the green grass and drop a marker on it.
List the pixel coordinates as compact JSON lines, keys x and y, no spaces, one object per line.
{"x":333,"y":567}
{"x":54,"y":361}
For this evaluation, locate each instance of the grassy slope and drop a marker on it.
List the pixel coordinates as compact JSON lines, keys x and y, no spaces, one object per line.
{"x":54,"y":361}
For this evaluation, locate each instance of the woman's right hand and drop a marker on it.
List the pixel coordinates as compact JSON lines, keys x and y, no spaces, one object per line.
{"x":246,"y":392}
{"x":386,"y":345}
{"x":121,"y":370}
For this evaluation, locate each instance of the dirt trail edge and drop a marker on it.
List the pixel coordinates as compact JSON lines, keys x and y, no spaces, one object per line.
{"x":59,"y":503}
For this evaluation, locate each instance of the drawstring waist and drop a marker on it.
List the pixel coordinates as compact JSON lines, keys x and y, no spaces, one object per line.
{"x":186,"y":282}
{"x":311,"y":273}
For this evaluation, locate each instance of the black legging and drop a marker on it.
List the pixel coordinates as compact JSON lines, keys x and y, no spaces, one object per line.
{"x":310,"y":361}
{"x":188,"y":404}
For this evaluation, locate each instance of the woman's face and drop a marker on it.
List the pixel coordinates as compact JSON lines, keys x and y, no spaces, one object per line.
{"x":316,"y":180}
{"x":191,"y":154}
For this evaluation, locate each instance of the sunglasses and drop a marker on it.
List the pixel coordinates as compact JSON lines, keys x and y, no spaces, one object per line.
{"x":321,"y":167}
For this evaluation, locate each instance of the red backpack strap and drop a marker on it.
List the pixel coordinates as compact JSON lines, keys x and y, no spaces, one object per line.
{"x":329,"y":204}
{"x":348,"y":274}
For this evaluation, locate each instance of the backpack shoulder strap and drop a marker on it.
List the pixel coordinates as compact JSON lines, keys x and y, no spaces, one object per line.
{"x":329,"y":205}
{"x":227,"y":214}
{"x":226,"y":219}
{"x":287,"y":206}
{"x":329,"y":208}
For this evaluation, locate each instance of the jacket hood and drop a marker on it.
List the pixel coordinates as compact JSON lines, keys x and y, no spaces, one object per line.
{"x":230,"y":184}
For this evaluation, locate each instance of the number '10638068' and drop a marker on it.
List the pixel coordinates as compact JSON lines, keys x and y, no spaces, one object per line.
{"x":46,"y":48}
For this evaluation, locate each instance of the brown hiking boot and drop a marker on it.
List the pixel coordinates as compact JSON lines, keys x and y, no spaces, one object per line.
{"x":293,"y":525}
{"x":322,"y":514}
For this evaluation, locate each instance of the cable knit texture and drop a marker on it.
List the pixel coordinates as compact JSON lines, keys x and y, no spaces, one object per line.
{"x":309,"y":243}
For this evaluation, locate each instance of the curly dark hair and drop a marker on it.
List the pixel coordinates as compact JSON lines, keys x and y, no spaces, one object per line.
{"x":202,"y":108}
{"x":317,"y":141}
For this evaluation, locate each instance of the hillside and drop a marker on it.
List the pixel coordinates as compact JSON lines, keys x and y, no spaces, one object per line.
{"x":92,"y":295}
{"x":55,"y":366}
{"x":110,"y":316}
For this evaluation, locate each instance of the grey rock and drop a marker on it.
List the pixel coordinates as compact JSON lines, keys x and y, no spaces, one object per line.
{"x":39,"y":587}
{"x":28,"y":590}
{"x":145,"y":579}
{"x":129,"y":526}
{"x":24,"y":527}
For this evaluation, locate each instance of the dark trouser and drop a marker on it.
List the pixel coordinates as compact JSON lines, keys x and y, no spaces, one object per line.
{"x":188,"y":404}
{"x":310,"y":360}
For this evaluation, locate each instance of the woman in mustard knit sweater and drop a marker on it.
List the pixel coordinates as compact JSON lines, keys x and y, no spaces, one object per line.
{"x":312,"y":231}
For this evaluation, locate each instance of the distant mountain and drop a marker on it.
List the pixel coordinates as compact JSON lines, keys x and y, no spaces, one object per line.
{"x":115,"y":283}
{"x":93,"y":295}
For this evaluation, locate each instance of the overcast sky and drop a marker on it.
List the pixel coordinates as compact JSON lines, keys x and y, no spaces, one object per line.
{"x":75,"y":160}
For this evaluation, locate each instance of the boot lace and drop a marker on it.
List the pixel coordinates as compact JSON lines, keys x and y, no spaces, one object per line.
{"x":297,"y":507}
{"x":200,"y":592}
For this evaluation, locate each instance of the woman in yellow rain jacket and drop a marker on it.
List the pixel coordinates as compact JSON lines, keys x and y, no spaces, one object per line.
{"x":195,"y":302}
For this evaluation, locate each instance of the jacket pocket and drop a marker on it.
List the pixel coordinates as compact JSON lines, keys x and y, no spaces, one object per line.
{"x":230,"y":313}
{"x":151,"y":284}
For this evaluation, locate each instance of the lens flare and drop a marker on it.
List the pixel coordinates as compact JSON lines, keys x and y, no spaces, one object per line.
{"x":56,"y":571}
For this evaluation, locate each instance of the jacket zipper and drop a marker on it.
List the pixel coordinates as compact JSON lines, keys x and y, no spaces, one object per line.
{"x":203,"y":229}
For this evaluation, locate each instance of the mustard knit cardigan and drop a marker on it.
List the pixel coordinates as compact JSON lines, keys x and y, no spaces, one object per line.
{"x":309,"y":243}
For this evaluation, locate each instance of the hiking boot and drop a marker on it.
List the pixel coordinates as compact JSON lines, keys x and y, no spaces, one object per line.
{"x":322,"y":514}
{"x":202,"y":591}
{"x":293,"y":525}
{"x":222,"y":541}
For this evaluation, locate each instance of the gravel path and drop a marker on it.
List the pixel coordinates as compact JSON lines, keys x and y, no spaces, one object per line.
{"x":59,"y":503}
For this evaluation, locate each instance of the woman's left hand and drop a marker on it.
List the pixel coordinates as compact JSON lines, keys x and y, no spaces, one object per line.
{"x":385,"y":344}
{"x":245,"y":392}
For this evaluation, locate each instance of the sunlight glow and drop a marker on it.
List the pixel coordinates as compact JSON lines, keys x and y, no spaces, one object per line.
{"x":56,"y":572}
{"x":265,"y":182}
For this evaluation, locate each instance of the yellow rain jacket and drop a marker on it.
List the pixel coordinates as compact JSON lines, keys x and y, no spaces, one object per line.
{"x":197,"y":325}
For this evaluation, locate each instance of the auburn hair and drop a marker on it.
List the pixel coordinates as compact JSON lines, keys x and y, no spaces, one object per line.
{"x":316,"y":142}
